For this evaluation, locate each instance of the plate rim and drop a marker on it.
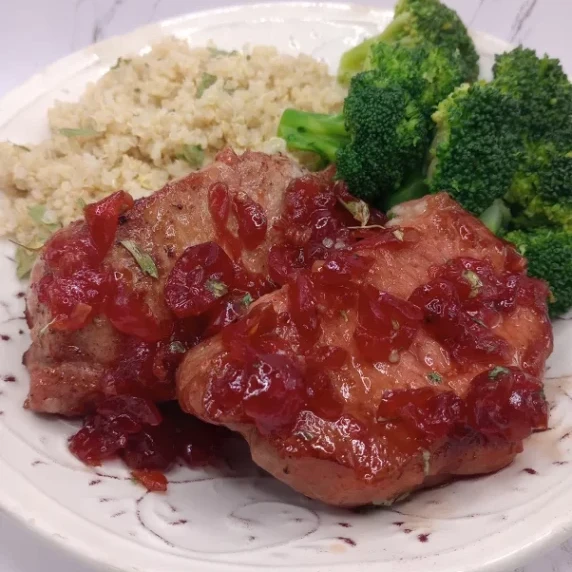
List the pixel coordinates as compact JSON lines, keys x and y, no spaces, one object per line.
{"x":11,"y":103}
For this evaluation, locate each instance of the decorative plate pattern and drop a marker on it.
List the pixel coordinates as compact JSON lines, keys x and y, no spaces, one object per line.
{"x":237,"y":518}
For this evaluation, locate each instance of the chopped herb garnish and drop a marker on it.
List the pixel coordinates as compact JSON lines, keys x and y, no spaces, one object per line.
{"x":305,"y":435}
{"x":393,"y":356}
{"x":474,"y":281}
{"x":177,"y":348}
{"x":215,"y":52}
{"x":207,"y":79}
{"x":247,"y":299}
{"x":36,"y":213}
{"x":120,"y":62}
{"x":47,"y":326}
{"x":358,"y":209}
{"x":144,"y":260}
{"x":434,"y":378}
{"x":194,"y":155}
{"x":144,"y":182}
{"x":26,"y":255}
{"x":392,"y":501}
{"x":81,"y":203}
{"x":480,"y":322}
{"x":25,"y":259}
{"x":217,"y":288}
{"x":71,"y":132}
{"x":426,"y":462}
{"x":496,"y":371}
{"x":367,"y":227}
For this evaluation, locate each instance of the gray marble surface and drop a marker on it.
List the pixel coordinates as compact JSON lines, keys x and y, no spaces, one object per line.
{"x":34,"y":33}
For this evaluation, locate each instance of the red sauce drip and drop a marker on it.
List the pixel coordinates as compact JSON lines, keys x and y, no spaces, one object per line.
{"x":153,"y":481}
{"x":252,"y":222}
{"x":219,"y":208}
{"x":386,"y":324}
{"x":428,"y":413}
{"x":146,"y":437}
{"x":304,"y":309}
{"x":130,"y":314}
{"x":507,"y":404}
{"x":502,"y":403}
{"x":314,"y":226}
{"x":274,"y":392}
{"x":203,"y":274}
{"x":461,"y":303}
{"x":75,"y":300}
{"x":77,"y":287}
{"x":102,"y":219}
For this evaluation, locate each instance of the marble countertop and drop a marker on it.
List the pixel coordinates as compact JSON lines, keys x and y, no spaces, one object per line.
{"x":35,"y":33}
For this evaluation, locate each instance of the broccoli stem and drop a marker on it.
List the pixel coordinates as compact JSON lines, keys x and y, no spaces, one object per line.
{"x":415,"y":188}
{"x":354,"y":61}
{"x":496,"y":217}
{"x":316,"y":132}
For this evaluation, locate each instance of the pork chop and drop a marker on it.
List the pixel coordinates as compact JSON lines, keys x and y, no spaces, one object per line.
{"x":97,"y":308}
{"x":411,"y":357}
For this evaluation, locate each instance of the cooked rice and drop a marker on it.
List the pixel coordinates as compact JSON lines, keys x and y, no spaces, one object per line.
{"x":129,"y":129}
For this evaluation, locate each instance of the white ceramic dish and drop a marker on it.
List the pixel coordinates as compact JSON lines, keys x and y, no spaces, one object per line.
{"x":241,"y":520}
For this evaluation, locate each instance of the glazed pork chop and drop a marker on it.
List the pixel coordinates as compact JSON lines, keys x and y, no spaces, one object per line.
{"x":409,"y":357}
{"x":114,"y":300}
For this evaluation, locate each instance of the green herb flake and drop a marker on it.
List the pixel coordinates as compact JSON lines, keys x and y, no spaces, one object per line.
{"x":216,"y":53}
{"x":177,"y":348}
{"x":305,"y":435}
{"x":207,"y":79}
{"x":391,"y":502}
{"x":480,"y":322}
{"x":426,"y":462}
{"x":498,"y":370}
{"x":36,"y":213}
{"x":47,"y":327}
{"x":358,"y":209}
{"x":72,"y":132}
{"x":25,"y":259}
{"x":474,"y":282}
{"x":247,"y":299}
{"x":217,"y":288}
{"x":45,"y":223}
{"x":81,"y":203}
{"x":120,"y":62}
{"x":144,"y":260}
{"x":393,"y":356}
{"x":434,"y":378}
{"x":194,"y":155}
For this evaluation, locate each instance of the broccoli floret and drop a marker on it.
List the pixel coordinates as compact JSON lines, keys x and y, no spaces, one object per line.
{"x":549,"y":255}
{"x":429,"y":75}
{"x":477,"y":145}
{"x":542,"y":188}
{"x":385,"y":138}
{"x":542,"y":89}
{"x":418,"y":22}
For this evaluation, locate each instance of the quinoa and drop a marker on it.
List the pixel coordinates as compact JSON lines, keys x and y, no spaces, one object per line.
{"x":153,"y":118}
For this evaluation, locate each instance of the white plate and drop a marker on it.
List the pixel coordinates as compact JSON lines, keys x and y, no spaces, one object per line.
{"x":242,"y":521}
